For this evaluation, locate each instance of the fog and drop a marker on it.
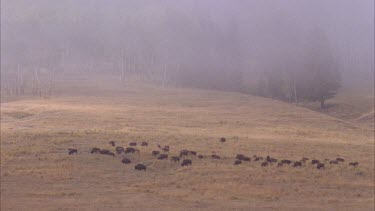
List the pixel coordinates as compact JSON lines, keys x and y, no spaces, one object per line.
{"x":215,"y":44}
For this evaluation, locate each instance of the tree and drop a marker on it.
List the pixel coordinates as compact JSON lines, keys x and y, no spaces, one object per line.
{"x":322,"y":76}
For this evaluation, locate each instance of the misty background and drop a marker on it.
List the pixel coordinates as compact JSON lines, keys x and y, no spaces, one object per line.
{"x":253,"y":46}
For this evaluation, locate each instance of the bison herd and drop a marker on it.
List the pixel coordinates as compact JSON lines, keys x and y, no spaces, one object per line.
{"x":163,"y":154}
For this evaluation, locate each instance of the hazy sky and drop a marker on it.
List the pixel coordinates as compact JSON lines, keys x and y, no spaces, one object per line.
{"x":250,"y":34}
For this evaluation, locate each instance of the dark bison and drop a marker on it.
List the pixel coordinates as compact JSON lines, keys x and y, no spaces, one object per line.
{"x":280,"y":164}
{"x":112,"y":143}
{"x":107,"y":152}
{"x":184,"y":152}
{"x":163,"y":156}
{"x":297,"y":164}
{"x":258,"y":158}
{"x":237,"y":162}
{"x":155,"y":152}
{"x":72,"y":151}
{"x":194,"y":153}
{"x":246,"y":159}
{"x":315,"y":162}
{"x":334,"y":162}
{"x":222,"y":139}
{"x":126,"y":161}
{"x":340,"y":159}
{"x":215,"y":156}
{"x":264,"y":164}
{"x":119,"y":150}
{"x":133,"y":144}
{"x":95,"y":150}
{"x":240,"y":156}
{"x":175,"y":159}
{"x":129,"y":150}
{"x":165,"y":149}
{"x":320,"y":166}
{"x":140,"y":167}
{"x":186,"y":162}
{"x":159,"y":146}
{"x":144,"y":144}
{"x":200,"y":156}
{"x":353,"y":164}
{"x":286,"y":162}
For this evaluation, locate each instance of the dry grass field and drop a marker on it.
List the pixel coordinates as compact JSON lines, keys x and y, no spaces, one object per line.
{"x":38,"y":174}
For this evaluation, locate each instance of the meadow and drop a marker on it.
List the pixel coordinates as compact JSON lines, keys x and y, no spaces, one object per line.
{"x":38,"y":174}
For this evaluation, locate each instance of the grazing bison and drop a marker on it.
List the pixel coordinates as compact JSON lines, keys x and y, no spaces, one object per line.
{"x":155,"y":152}
{"x":200,"y":156}
{"x":95,"y":150}
{"x":246,"y":159}
{"x":334,"y":162}
{"x":184,"y":152}
{"x":186,"y":162}
{"x":222,"y":139}
{"x":140,"y":167}
{"x":280,"y":164}
{"x":133,"y":144}
{"x":320,"y":166}
{"x":175,"y":159}
{"x":340,"y":159}
{"x":258,"y":158}
{"x":273,"y":160}
{"x":119,"y":150}
{"x":237,"y":162}
{"x":264,"y":164}
{"x":104,"y":151}
{"x":129,"y":150}
{"x":286,"y":162}
{"x":126,"y":161}
{"x":297,"y":164}
{"x":215,"y":156}
{"x":165,"y":149}
{"x":315,"y":162}
{"x":144,"y":144}
{"x":240,"y":156}
{"x":193,"y":153}
{"x":353,"y":164}
{"x":72,"y":151}
{"x":112,"y":143}
{"x":163,"y":156}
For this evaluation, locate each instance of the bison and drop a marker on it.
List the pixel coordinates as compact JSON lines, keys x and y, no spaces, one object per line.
{"x":320,"y":166}
{"x":353,"y":164}
{"x":119,"y":150}
{"x":184,"y":152}
{"x":194,"y":153}
{"x":215,"y":157}
{"x":297,"y":164}
{"x":334,"y":162}
{"x":175,"y":159}
{"x":340,"y":159}
{"x":264,"y":164}
{"x":126,"y":161}
{"x":140,"y":167}
{"x":155,"y":152}
{"x":144,"y":144}
{"x":237,"y":162}
{"x":163,"y":156}
{"x":72,"y":151}
{"x":95,"y":150}
{"x":186,"y":162}
{"x":222,"y":139}
{"x":280,"y":164}
{"x":240,"y":156}
{"x":258,"y":158}
{"x":133,"y":144}
{"x":286,"y":162}
{"x":200,"y":156}
{"x":129,"y":150}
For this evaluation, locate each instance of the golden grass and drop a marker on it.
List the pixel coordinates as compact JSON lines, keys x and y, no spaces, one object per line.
{"x":37,"y":172}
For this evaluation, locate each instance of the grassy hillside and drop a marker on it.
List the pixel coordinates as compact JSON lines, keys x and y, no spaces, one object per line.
{"x":37,"y":170}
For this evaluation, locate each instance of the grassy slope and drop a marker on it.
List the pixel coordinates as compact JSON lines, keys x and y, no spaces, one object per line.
{"x":37,"y":170}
